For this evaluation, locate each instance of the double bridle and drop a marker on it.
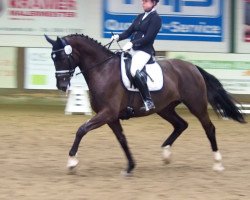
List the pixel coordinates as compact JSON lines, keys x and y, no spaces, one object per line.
{"x":65,"y":73}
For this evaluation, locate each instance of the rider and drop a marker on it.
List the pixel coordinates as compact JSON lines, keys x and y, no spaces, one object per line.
{"x":143,"y":32}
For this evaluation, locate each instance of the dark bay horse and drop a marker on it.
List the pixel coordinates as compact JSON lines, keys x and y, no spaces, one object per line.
{"x":183,"y":83}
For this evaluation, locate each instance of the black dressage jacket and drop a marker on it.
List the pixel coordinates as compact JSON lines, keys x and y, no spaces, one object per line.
{"x":143,"y":32}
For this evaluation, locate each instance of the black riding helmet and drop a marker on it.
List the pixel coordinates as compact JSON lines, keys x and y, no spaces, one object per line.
{"x":156,"y":1}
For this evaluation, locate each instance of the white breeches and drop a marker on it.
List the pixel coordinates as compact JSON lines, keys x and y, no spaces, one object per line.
{"x":139,"y":60}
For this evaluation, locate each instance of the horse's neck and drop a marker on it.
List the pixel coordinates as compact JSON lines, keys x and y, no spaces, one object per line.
{"x":94,"y":60}
{"x":93,"y":56}
{"x":104,"y":72}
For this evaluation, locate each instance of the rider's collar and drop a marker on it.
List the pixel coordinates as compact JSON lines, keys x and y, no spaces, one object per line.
{"x":147,"y":13}
{"x":152,"y":10}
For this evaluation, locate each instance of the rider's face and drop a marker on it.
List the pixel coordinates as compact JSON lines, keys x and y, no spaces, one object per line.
{"x":147,"y":5}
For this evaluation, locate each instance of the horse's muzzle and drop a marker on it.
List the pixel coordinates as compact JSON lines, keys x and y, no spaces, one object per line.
{"x":62,"y":85}
{"x":64,"y":89}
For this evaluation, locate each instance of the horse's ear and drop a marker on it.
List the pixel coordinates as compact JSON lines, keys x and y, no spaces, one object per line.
{"x":63,"y":42}
{"x":49,"y":40}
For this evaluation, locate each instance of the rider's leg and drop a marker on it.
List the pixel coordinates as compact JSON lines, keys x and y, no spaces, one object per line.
{"x":141,"y":84}
{"x":139,"y":59}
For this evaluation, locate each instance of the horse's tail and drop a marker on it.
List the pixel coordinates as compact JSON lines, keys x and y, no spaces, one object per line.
{"x":221,"y":101}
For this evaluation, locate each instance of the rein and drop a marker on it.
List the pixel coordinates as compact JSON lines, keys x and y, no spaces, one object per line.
{"x":102,"y":62}
{"x":109,"y":44}
{"x":95,"y":65}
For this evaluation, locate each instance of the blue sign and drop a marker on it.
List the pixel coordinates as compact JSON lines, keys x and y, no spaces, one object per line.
{"x":189,"y":20}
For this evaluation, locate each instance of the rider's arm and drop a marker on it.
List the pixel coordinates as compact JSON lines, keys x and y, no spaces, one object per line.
{"x":127,"y":33}
{"x":153,"y":29}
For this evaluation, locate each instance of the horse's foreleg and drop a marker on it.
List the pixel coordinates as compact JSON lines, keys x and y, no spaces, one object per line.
{"x":117,"y":129}
{"x":98,"y":120}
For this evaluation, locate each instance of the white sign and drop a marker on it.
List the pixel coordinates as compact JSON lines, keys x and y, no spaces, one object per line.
{"x":40,"y":70}
{"x":23,"y":22}
{"x":30,"y":17}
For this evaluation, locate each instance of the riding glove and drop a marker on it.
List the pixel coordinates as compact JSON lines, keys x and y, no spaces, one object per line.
{"x":114,"y":37}
{"x":127,"y":46}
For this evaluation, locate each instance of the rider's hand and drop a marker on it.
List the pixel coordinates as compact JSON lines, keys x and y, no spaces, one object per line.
{"x":127,"y":46}
{"x":114,"y":38}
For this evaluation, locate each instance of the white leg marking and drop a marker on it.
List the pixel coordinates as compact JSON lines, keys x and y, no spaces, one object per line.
{"x":217,"y":156}
{"x":72,"y":162}
{"x":218,"y":164}
{"x":166,"y":154}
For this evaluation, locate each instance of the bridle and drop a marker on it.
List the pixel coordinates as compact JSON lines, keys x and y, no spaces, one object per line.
{"x":67,"y":49}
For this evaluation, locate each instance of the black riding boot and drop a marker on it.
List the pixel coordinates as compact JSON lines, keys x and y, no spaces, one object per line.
{"x":141,"y":84}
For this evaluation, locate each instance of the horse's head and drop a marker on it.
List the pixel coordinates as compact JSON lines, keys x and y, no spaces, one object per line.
{"x":65,"y":60}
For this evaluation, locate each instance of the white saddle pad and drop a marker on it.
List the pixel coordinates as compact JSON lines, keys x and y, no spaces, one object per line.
{"x":154,"y":71}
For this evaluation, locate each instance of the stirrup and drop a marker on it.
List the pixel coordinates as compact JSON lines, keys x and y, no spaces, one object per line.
{"x":148,"y":105}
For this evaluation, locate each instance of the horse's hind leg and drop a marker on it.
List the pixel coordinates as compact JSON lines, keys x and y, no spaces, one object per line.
{"x":178,"y":124}
{"x":117,"y":129}
{"x":200,"y":111}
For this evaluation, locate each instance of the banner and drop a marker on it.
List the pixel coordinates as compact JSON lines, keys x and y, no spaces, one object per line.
{"x":30,"y":17}
{"x":39,"y":69}
{"x":23,"y":23}
{"x":182,"y":20}
{"x":243,"y":26}
{"x":233,"y":70}
{"x":187,"y":25}
{"x":8,"y":67}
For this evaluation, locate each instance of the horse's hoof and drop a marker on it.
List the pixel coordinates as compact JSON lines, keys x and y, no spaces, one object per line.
{"x":125,"y":173}
{"x":218,"y":167}
{"x":129,"y":170}
{"x":166,"y":161}
{"x":166,"y":154}
{"x":72,"y":162}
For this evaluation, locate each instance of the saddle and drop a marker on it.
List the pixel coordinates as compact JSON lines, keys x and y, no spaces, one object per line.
{"x":151,"y":71}
{"x":127,"y":60}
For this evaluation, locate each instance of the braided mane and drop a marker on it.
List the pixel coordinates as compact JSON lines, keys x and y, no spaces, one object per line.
{"x":93,"y":41}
